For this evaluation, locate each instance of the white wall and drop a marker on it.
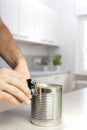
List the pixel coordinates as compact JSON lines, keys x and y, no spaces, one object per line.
{"x":68,"y":34}
{"x":68,"y":25}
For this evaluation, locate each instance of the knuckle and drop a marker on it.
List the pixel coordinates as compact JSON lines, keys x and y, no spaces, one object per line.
{"x":16,"y":92}
{"x":22,"y":84}
{"x":19,"y":95}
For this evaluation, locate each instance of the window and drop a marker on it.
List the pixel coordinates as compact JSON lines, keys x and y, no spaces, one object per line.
{"x":85,"y":45}
{"x":82,"y":44}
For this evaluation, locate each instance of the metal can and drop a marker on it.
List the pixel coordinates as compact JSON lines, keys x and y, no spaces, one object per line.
{"x":46,"y":105}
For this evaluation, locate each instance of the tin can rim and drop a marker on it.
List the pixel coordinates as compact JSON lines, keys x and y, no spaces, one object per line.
{"x":48,"y":88}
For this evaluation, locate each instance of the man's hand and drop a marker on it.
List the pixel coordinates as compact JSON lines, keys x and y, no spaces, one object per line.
{"x":13,"y":84}
{"x":13,"y":87}
{"x":22,"y":68}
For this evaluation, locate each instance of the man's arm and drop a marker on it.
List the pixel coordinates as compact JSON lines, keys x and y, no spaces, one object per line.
{"x":13,"y":85}
{"x":10,"y":52}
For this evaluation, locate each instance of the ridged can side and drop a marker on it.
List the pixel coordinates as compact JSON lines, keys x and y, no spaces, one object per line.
{"x":46,"y":106}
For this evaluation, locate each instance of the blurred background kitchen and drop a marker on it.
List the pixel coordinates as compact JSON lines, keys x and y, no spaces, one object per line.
{"x":52,"y":36}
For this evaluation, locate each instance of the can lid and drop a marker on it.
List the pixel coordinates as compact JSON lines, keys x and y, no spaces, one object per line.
{"x":48,"y":88}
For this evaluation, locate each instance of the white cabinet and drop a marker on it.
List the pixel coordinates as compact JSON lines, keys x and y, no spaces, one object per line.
{"x":27,"y":19}
{"x":46,"y":25}
{"x":40,"y":23}
{"x":52,"y":27}
{"x":31,"y":21}
{"x":61,"y":79}
{"x":10,"y":14}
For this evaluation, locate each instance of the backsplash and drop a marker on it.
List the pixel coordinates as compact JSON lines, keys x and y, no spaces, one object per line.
{"x":33,"y":54}
{"x":33,"y":63}
{"x":32,"y":49}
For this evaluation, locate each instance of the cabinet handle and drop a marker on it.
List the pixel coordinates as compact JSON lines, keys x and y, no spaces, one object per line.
{"x":43,"y":40}
{"x":24,"y":36}
{"x":51,"y":41}
{"x":46,"y":41}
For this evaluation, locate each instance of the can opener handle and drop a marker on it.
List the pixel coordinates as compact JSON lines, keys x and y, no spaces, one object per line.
{"x":31,"y":85}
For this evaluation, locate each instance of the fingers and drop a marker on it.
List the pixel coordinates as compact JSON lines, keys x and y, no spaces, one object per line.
{"x":12,"y":90}
{"x":8,"y":98}
{"x":14,"y":84}
{"x":7,"y":72}
{"x":15,"y":92}
{"x":18,"y":83}
{"x":16,"y":79}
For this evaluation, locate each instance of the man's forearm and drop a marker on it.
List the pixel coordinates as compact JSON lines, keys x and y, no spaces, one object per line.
{"x":8,"y":49}
{"x":13,"y":85}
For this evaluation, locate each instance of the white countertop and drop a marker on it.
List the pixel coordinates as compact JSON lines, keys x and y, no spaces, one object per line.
{"x":74,"y":115}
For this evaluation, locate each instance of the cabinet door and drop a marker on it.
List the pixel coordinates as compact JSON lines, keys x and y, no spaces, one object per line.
{"x":40,"y":23}
{"x":27,"y":19}
{"x":10,"y":14}
{"x":46,"y":25}
{"x":52,"y":27}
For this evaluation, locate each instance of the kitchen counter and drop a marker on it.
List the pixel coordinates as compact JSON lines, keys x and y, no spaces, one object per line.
{"x":74,"y":114}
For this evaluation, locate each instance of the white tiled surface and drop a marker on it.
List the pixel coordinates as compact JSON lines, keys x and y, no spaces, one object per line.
{"x":74,"y":115}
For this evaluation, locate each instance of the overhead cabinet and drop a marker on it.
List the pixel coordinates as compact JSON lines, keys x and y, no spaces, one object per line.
{"x":40,"y":23}
{"x":10,"y":14}
{"x":27,"y":20}
{"x":52,"y":25}
{"x":31,"y":21}
{"x":46,"y":25}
